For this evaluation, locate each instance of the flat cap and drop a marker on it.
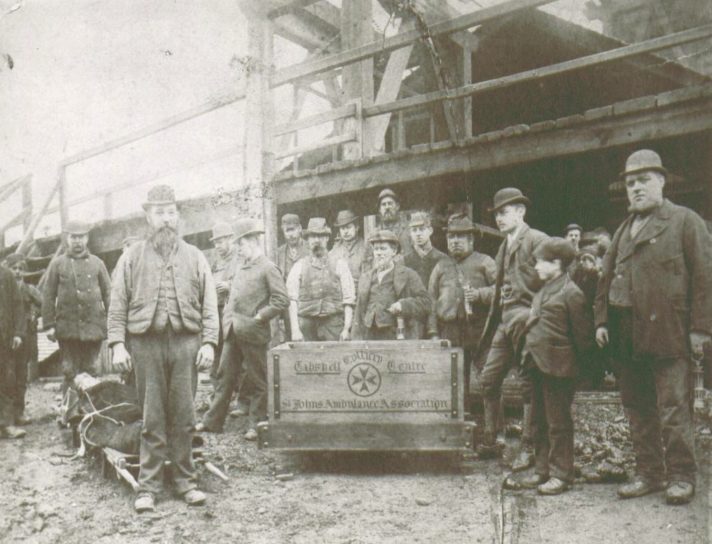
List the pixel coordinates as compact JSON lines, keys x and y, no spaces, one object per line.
{"x":247,"y":227}
{"x":384,"y":236}
{"x":15,"y":258}
{"x":387,"y":192}
{"x":556,"y":248}
{"x":291,"y":220}
{"x":573,"y":226}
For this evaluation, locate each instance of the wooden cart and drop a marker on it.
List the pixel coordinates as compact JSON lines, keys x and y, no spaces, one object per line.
{"x":366,"y":396}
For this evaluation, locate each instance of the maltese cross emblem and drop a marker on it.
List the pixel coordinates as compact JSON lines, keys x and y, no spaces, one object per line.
{"x":364,"y":379}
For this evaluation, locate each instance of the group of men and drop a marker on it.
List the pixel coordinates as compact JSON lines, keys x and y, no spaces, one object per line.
{"x":167,"y":315}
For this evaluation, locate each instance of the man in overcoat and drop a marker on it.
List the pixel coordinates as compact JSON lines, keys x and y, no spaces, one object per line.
{"x":510,"y":300}
{"x":163,"y":322}
{"x":31,"y":304}
{"x":75,"y":298}
{"x":654,"y":306}
{"x":12,"y":329}
{"x":452,"y":285}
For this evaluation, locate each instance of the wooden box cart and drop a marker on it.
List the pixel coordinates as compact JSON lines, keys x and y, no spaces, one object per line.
{"x":366,"y":396}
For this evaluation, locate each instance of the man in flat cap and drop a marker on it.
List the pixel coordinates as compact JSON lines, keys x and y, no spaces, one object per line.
{"x":293,"y":249}
{"x":257,"y":295}
{"x":654,"y":307}
{"x":350,"y":246}
{"x":75,"y":298}
{"x":573,"y":234}
{"x":456,"y":315}
{"x":12,"y":330}
{"x":423,"y":256}
{"x":321,"y":291}
{"x":31,"y":306}
{"x":510,"y":300}
{"x":389,"y":218}
{"x":163,"y":322}
{"x":389,"y":293}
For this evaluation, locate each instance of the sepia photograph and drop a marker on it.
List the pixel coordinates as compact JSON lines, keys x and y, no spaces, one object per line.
{"x":356,"y":271}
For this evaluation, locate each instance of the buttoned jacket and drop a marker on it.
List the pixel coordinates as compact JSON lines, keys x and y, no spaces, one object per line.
{"x":134,"y":293}
{"x":671,"y":267}
{"x":12,"y":321}
{"x":257,"y":290}
{"x":560,"y":328}
{"x":410,"y":292}
{"x":76,"y":296}
{"x":524,"y":280}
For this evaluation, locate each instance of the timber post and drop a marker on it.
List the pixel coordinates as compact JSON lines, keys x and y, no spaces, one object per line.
{"x":258,"y":155}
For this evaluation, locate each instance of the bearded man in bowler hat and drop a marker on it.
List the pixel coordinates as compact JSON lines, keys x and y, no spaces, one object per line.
{"x":163,"y":322}
{"x":654,"y":306}
{"x":510,"y":300}
{"x":75,"y":298}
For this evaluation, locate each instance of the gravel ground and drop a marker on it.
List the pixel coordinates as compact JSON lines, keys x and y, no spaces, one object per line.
{"x":48,"y":497}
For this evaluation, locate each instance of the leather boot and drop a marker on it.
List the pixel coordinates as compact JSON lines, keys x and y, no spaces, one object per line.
{"x":525,"y":457}
{"x":488,"y":448}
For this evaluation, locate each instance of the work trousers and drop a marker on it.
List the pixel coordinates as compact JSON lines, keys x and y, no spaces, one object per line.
{"x":553,"y":426}
{"x":250,"y":360}
{"x":21,"y":361}
{"x":456,"y":331}
{"x":77,"y":356}
{"x":500,"y":360}
{"x":380,"y":333}
{"x":166,"y":381}
{"x":656,"y":397}
{"x":7,"y":386}
{"x":321,"y":329}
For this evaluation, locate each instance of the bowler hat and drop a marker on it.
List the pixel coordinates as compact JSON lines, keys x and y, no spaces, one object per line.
{"x":643,"y":160}
{"x":573,"y":226}
{"x":291,"y":220}
{"x":160,"y":195}
{"x":77,"y":227}
{"x":221,"y":230}
{"x":508,"y":195}
{"x":345,"y":217}
{"x":387,"y":192}
{"x":459,"y":223}
{"x":419,"y":219}
{"x":317,"y":227}
{"x":15,"y":258}
{"x":247,"y":227}
{"x":556,"y":248}
{"x":384,"y":236}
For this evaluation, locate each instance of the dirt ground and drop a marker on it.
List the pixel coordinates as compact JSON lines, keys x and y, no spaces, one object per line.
{"x":47,"y":497}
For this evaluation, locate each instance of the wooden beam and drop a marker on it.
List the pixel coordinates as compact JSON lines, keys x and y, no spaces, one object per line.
{"x":655,"y":44}
{"x":589,"y":137}
{"x":30,"y":231}
{"x":288,"y":6}
{"x":307,"y":30}
{"x":293,"y":73}
{"x":388,"y":91}
{"x":349,"y":110}
{"x":9,"y":188}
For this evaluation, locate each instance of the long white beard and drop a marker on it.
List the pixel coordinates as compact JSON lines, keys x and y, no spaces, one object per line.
{"x":164,"y":240}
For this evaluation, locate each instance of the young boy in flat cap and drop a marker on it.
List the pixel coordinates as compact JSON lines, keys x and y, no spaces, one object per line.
{"x":559,"y":329}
